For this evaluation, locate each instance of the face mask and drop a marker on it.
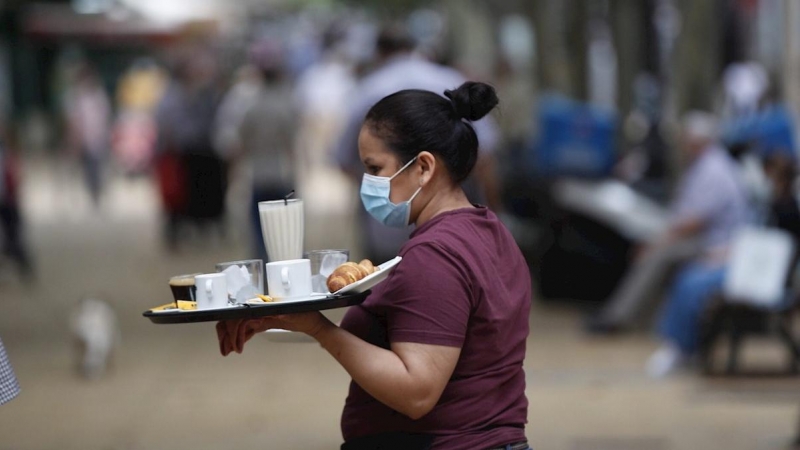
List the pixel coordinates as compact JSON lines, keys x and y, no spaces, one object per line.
{"x":375,"y":196}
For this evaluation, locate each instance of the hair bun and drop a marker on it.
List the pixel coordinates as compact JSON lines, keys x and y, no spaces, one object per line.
{"x":472,"y":100}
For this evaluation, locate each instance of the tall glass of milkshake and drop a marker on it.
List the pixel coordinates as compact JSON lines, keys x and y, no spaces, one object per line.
{"x":282,"y":228}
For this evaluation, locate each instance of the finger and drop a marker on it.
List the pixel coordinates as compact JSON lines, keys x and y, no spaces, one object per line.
{"x":223,"y":345}
{"x":224,"y":339}
{"x":253,"y":327}
{"x":244,"y":332}
{"x":231,"y":327}
{"x":221,"y":337}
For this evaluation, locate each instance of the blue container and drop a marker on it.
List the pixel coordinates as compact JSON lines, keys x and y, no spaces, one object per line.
{"x":768,"y":131}
{"x":574,"y":139}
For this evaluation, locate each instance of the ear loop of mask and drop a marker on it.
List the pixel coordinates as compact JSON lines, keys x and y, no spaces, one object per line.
{"x":403,"y":168}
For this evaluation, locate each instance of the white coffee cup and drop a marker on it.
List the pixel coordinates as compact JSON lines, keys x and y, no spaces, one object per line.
{"x":282,"y":228}
{"x":212,"y":291}
{"x":289,"y":280}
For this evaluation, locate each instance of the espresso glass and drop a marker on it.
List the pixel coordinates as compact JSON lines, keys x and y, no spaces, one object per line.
{"x":183,"y":287}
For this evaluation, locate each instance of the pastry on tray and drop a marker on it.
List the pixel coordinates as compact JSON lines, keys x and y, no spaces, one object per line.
{"x":350,"y":272}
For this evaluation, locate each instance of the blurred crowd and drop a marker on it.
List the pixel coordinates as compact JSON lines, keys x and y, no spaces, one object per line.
{"x":283,"y":117}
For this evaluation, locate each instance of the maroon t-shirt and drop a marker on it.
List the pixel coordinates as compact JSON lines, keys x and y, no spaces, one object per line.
{"x":463,"y":283}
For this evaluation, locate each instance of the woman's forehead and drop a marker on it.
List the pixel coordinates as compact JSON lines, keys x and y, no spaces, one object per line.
{"x":372,"y":148}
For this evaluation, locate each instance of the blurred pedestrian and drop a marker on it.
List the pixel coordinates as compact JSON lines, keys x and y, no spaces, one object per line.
{"x":320,"y":93}
{"x":711,"y":203}
{"x":644,"y":166}
{"x":237,"y":102}
{"x":325,"y":86}
{"x":400,"y":68}
{"x":88,"y":112}
{"x":10,"y":213}
{"x":9,"y":387}
{"x":256,"y":129}
{"x":193,"y":177}
{"x":138,"y":92}
{"x":744,"y":86}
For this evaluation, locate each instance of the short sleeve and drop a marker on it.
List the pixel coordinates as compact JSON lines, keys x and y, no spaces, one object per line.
{"x":702,"y":200}
{"x":708,"y":190}
{"x":427,"y":299}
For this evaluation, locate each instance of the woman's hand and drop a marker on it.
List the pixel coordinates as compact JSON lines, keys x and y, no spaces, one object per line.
{"x":233,"y":334}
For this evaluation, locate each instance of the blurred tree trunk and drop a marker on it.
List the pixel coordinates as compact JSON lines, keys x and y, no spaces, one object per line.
{"x":697,"y":55}
{"x":629,"y":29}
{"x":576,"y":35}
{"x":791,"y":73}
{"x":539,"y":12}
{"x":561,"y":37}
{"x":473,"y":37}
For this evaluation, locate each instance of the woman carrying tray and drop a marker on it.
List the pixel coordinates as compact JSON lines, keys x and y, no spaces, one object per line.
{"x":436,"y":351}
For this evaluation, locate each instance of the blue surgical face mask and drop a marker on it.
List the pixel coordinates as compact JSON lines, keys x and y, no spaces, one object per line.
{"x":375,"y":196}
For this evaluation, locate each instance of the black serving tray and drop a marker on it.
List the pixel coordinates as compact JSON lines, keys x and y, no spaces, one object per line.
{"x":253,"y":311}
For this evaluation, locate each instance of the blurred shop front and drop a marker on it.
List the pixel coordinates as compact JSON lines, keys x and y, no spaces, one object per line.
{"x":41,"y":42}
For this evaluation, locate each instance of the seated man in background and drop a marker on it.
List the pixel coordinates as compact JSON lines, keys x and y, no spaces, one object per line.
{"x":710,"y":204}
{"x":696,"y":284}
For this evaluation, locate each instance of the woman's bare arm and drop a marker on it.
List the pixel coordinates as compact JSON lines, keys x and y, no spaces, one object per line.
{"x":409,"y":378}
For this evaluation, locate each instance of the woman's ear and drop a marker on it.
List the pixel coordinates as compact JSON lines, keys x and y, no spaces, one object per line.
{"x":427,"y":164}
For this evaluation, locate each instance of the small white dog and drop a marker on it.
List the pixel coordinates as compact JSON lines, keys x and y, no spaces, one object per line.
{"x":94,"y":325}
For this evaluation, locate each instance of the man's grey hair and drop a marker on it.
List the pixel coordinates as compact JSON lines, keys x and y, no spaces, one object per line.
{"x":700,"y":125}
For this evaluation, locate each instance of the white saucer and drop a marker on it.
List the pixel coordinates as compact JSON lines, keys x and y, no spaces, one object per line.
{"x":305,"y":298}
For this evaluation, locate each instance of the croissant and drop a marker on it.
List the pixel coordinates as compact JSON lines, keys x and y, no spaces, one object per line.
{"x":348,"y":273}
{"x":367,"y":264}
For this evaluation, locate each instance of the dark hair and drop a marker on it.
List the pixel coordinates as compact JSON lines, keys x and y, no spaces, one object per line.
{"x":412,"y":121}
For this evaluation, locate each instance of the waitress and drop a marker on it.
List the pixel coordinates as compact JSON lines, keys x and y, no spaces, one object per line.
{"x":436,"y":351}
